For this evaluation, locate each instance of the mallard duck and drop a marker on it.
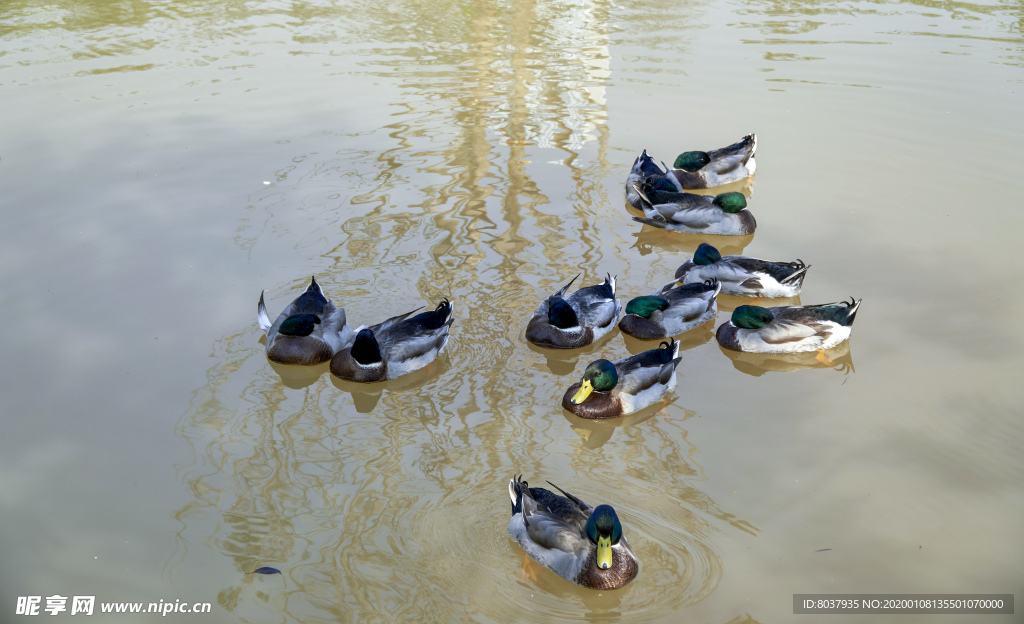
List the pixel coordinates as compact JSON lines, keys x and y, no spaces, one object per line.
{"x":701,"y":170}
{"x":742,"y":275}
{"x":397,"y":346}
{"x":309,"y":331}
{"x":725,"y":214}
{"x":643,"y":168}
{"x":671,"y":310}
{"x":612,"y":389}
{"x":788,"y":329}
{"x":580,"y":543}
{"x":575,"y":321}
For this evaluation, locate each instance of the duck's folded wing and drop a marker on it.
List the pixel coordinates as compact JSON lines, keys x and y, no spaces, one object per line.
{"x":725,"y":159}
{"x":696,"y":218}
{"x":384,"y":326}
{"x":687,"y":308}
{"x":641,"y":371}
{"x":553,"y":533}
{"x":783,"y":331}
{"x":598,"y":312}
{"x":409,"y":340}
{"x":780,"y":271}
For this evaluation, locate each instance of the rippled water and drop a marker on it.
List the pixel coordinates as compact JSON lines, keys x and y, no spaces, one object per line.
{"x":162,"y":163}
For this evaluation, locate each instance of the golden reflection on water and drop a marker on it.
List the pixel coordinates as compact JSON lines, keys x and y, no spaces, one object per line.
{"x":756,"y":364}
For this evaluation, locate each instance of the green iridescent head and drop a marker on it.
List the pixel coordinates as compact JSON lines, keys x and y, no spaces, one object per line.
{"x":604,"y":521}
{"x":602,"y":375}
{"x":705,"y":255}
{"x":731,"y":202}
{"x":751,"y":317}
{"x":604,"y":531}
{"x":646,"y":306}
{"x":661,"y":184}
{"x":691,"y":161}
{"x":299,"y":325}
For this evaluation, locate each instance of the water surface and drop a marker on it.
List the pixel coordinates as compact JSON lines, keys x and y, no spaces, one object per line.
{"x":162,"y":163}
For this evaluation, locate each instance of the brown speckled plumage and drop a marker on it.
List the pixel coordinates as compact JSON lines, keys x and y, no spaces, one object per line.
{"x":623,"y":570}
{"x":598,"y":404}
{"x":642,"y":328}
{"x":302,"y":350}
{"x":540,"y":332}
{"x":345,"y":366}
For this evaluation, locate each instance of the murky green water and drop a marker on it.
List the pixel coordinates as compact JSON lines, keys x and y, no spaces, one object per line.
{"x":161,"y":163}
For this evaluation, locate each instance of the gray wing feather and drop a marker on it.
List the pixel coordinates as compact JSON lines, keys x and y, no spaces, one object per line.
{"x":781,"y":331}
{"x":696,"y":218}
{"x":404,"y":339}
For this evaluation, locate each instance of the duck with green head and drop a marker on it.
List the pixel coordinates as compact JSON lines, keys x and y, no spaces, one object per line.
{"x":309,"y":331}
{"x":575,"y":321}
{"x":671,"y":310}
{"x":613,"y":389}
{"x":724,"y":214}
{"x":702,"y":170}
{"x":744,"y":276}
{"x":580,"y":543}
{"x":399,"y":345}
{"x":788,"y":329}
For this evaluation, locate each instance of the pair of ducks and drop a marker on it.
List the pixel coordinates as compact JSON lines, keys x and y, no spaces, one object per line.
{"x":312,"y":330}
{"x":660,"y":195}
{"x":586,"y":544}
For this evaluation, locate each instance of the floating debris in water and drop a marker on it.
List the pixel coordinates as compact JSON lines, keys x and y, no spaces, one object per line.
{"x":265,"y":570}
{"x":823,"y":550}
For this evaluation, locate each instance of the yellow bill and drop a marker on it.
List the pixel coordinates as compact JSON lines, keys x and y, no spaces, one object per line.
{"x":581,"y":395}
{"x":604,"y":552}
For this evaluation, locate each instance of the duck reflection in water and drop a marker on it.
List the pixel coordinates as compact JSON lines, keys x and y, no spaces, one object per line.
{"x":702,"y":334}
{"x":595,"y":433}
{"x":649,"y":238}
{"x":838,"y":358}
{"x":297,"y":376}
{"x":366,"y":396}
{"x":564,"y":361}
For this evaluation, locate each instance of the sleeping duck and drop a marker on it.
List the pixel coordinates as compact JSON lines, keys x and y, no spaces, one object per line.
{"x":701,"y":170}
{"x":612,"y":389}
{"x":724,"y":214}
{"x":742,"y":275}
{"x":575,"y":321}
{"x":644,"y":168}
{"x":309,"y":331}
{"x":395,"y":347}
{"x":788,"y":329}
{"x":580,"y":543}
{"x":671,"y":310}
